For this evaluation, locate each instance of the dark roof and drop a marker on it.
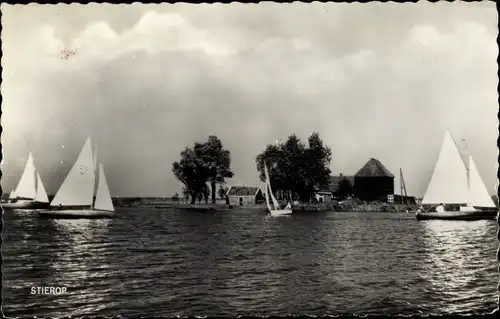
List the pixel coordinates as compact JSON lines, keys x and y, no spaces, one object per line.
{"x":373,"y":168}
{"x":335,"y":181}
{"x":242,"y":191}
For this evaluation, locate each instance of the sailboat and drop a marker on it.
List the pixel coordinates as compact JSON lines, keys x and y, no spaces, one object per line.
{"x":453,"y":183}
{"x":75,"y":197}
{"x":275,"y":210}
{"x":30,"y":192}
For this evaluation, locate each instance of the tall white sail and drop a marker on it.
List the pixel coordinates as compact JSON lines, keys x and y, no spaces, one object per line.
{"x":26,"y":187}
{"x":78,"y":187}
{"x":275,"y":202}
{"x":267,"y":197}
{"x":12,"y":194}
{"x":479,"y":195}
{"x":103,"y":198}
{"x":268,"y":181}
{"x":448,"y":184}
{"x":41,"y":194}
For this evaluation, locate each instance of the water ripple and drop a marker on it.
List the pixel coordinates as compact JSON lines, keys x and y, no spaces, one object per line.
{"x":169,"y":263}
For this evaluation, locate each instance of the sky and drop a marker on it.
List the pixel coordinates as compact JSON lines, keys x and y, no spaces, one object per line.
{"x":382,"y":80}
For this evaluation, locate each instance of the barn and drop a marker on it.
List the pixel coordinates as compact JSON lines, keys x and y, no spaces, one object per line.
{"x":373,"y":182}
{"x":244,"y":195}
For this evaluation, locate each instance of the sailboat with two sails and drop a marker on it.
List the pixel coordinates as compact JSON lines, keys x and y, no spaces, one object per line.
{"x":75,"y":197}
{"x":30,"y":192}
{"x":275,"y":210}
{"x":454,"y":183}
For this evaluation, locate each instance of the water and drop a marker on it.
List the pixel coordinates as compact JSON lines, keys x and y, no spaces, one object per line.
{"x":168,"y":263}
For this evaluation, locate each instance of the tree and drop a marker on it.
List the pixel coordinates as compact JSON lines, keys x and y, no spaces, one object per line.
{"x":318,"y":158}
{"x":200,"y":197}
{"x":222,"y":192}
{"x":217,"y":162}
{"x":205,"y":162}
{"x":191,"y":172}
{"x":345,"y":189}
{"x":186,"y":193}
{"x":295,"y":167}
{"x":206,"y":193}
{"x":175,"y":197}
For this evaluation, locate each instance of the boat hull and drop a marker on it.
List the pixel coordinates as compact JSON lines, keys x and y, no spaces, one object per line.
{"x":76,"y":214}
{"x":25,"y":205}
{"x":458,"y":215}
{"x":281,"y":212}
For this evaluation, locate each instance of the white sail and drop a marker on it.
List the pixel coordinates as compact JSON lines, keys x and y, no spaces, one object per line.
{"x":267,"y":197}
{"x":275,"y":202}
{"x":268,"y":181}
{"x":448,"y":184}
{"x":26,"y":187}
{"x":103,"y":198}
{"x":12,"y":194}
{"x":41,"y":194}
{"x":479,"y":195}
{"x":78,"y":187}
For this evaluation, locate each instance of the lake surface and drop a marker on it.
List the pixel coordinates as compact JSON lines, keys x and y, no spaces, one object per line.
{"x":168,"y":263}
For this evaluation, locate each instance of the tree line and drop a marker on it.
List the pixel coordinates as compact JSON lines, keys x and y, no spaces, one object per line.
{"x":295,"y":168}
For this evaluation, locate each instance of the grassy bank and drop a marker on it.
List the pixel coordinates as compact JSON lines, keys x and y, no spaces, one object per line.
{"x":343,"y":206}
{"x":354,"y":206}
{"x":157,"y":202}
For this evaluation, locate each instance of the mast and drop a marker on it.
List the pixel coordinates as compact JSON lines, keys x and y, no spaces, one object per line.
{"x":275,"y":202}
{"x":465,"y":164}
{"x":95,"y":178}
{"x":404,"y":194}
{"x":467,"y":169}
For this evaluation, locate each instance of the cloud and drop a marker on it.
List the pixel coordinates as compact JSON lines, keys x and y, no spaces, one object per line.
{"x":153,"y":33}
{"x":145,"y":91}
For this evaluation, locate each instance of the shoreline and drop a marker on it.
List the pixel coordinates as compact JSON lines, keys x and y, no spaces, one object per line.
{"x":334,"y":206}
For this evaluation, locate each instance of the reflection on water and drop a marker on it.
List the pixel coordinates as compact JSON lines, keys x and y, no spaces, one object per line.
{"x":65,"y":255}
{"x":169,"y":263}
{"x":80,"y":262}
{"x":456,"y":265}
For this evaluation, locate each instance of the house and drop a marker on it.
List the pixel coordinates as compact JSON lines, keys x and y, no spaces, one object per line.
{"x":244,"y":195}
{"x":323,"y":196}
{"x":373,"y":182}
{"x":335,"y":183}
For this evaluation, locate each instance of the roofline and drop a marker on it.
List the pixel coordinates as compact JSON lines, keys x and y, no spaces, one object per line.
{"x":379,"y":162}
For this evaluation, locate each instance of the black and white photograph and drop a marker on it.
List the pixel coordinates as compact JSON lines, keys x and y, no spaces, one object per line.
{"x":249,"y":159}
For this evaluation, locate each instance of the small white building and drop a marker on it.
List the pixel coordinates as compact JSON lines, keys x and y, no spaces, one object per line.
{"x":244,"y":195}
{"x":323,"y":196}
